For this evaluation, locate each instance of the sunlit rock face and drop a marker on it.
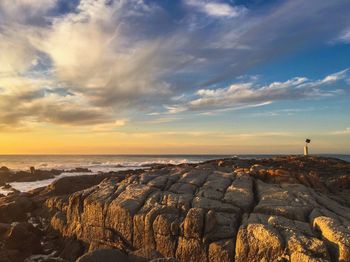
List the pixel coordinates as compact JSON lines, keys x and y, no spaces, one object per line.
{"x":283,"y":209}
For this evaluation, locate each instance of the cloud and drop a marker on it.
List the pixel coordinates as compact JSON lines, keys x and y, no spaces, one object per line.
{"x":83,"y":59}
{"x":101,"y":60}
{"x":163,"y":120}
{"x":121,"y":122}
{"x":25,"y":11}
{"x":99,"y":57}
{"x":216,"y":135}
{"x":343,"y":37}
{"x":282,"y":112}
{"x":110,"y":127}
{"x":27,"y":102}
{"x":217,"y":9}
{"x":19,"y":55}
{"x":246,"y":95}
{"x":346,"y":131}
{"x":257,"y":38}
{"x":49,"y":111}
{"x":335,"y":77}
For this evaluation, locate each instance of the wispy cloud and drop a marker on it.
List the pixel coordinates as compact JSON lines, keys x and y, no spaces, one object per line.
{"x":346,"y":131}
{"x":282,"y":112}
{"x":335,"y":77}
{"x":216,"y":9}
{"x":246,"y":95}
{"x":207,"y":134}
{"x":110,"y":127}
{"x":343,"y":37}
{"x":163,"y":120}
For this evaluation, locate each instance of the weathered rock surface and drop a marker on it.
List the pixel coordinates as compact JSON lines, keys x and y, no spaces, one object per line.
{"x":14,"y":207}
{"x":283,"y":209}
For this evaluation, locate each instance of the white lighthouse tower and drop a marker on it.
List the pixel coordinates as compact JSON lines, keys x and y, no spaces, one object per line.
{"x":306,"y":149}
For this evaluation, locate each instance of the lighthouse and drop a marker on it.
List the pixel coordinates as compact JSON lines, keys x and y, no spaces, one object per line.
{"x":306,"y":149}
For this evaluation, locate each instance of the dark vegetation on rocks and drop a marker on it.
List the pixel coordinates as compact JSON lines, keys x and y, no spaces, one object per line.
{"x":281,"y":209}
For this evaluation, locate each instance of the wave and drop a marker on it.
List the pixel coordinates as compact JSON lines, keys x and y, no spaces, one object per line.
{"x":103,"y":165}
{"x":95,"y":166}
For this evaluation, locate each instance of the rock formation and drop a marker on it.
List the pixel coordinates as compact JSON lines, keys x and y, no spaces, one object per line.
{"x":282,"y":209}
{"x":7,"y":175}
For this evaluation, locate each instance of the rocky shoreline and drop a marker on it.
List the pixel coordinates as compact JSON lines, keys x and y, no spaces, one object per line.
{"x":7,"y":176}
{"x":281,"y":209}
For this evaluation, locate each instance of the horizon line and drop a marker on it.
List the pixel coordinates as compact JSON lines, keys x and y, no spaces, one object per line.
{"x":171,"y":154}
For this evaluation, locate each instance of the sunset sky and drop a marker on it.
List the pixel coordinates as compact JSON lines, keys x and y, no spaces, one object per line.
{"x":174,"y":76}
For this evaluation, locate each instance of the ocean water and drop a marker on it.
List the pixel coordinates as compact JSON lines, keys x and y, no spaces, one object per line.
{"x":101,"y":163}
{"x":95,"y":163}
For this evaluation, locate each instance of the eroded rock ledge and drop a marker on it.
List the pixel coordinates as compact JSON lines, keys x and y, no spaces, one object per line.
{"x":283,"y":209}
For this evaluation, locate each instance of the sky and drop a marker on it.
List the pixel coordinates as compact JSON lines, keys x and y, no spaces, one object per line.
{"x":174,"y":76}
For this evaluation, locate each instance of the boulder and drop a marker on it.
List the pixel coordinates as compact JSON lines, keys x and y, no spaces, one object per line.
{"x":221,"y":251}
{"x":194,"y":223}
{"x":105,"y":255}
{"x":4,"y":169}
{"x":15,"y":207}
{"x":336,"y":235}
{"x":72,"y":250}
{"x":258,"y":242}
{"x":68,"y":185}
{"x":23,"y":237}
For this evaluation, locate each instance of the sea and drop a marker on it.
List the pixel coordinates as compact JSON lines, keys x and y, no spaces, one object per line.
{"x":102,"y":163}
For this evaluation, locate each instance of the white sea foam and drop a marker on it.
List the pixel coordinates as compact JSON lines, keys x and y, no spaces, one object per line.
{"x":27,"y":186}
{"x":94,"y":163}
